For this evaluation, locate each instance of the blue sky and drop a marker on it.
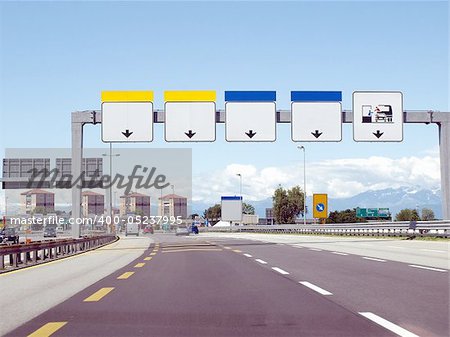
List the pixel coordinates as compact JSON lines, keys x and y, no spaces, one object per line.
{"x":57,"y":57}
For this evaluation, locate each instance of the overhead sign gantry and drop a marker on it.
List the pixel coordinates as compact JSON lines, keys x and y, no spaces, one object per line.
{"x":252,"y":116}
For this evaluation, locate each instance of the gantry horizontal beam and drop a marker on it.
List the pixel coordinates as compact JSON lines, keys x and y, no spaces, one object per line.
{"x":283,"y":116}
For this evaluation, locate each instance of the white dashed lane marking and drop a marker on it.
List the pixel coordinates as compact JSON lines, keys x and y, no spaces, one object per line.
{"x":388,"y":325}
{"x":373,"y":259}
{"x":427,"y":268}
{"x":315,"y":288}
{"x":281,"y":271}
{"x":261,"y":261}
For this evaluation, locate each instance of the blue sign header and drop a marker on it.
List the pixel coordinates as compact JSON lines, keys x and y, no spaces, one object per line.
{"x":231,"y":198}
{"x":250,"y":96}
{"x":316,"y":96}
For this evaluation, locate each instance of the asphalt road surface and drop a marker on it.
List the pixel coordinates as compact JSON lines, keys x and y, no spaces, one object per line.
{"x":222,"y":286}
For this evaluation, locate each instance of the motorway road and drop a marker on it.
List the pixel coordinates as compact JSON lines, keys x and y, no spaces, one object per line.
{"x":214,"y":285}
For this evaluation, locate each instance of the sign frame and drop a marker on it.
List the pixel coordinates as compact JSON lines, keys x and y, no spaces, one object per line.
{"x":311,"y":98}
{"x":250,"y":97}
{"x":231,"y":209}
{"x":391,"y":119}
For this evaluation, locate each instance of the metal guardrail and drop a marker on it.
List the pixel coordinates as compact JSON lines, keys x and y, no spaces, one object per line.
{"x":22,"y":255}
{"x":394,"y":229}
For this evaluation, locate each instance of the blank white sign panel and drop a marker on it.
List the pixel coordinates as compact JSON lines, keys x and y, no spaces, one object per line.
{"x":316,"y":121}
{"x":190,"y":121}
{"x":250,"y":121}
{"x":127,"y":121}
{"x":231,"y":209}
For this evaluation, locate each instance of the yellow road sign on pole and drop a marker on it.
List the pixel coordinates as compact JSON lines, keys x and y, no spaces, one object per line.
{"x":320,"y":206}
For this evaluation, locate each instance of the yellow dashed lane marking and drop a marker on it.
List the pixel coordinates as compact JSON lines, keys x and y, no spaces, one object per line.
{"x":152,"y":254}
{"x":148,"y":258}
{"x":227,"y":247}
{"x":126,"y":275}
{"x":193,"y":250}
{"x":48,"y":329}
{"x":97,"y":296}
{"x":237,"y":251}
{"x":139,"y":265}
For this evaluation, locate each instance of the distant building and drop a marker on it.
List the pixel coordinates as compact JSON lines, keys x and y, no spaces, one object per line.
{"x":32,"y":199}
{"x":92,"y":203}
{"x":135,"y":203}
{"x":173,"y":205}
{"x":269,"y":216}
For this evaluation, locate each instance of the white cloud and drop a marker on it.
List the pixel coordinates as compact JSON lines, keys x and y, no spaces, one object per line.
{"x":339,"y":178}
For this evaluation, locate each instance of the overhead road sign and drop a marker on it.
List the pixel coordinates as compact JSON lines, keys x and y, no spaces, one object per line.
{"x":250,"y":116}
{"x":320,"y":206}
{"x":190,"y":116}
{"x":231,"y":208}
{"x":316,"y":116}
{"x":127,"y":116}
{"x":377,"y":116}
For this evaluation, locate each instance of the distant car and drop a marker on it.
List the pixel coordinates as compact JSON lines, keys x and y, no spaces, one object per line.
{"x":9,"y":236}
{"x":181,"y":231}
{"x":148,"y":229}
{"x":59,"y":230}
{"x":50,"y":232}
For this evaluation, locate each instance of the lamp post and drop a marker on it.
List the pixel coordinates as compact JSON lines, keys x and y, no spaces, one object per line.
{"x":110,"y":155}
{"x":240,"y":184}
{"x":304,"y":182}
{"x":6,"y":212}
{"x":240,"y":194}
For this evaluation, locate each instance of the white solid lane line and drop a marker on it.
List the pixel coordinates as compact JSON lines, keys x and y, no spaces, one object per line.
{"x":316,"y":288}
{"x":339,"y":253}
{"x":388,"y":325}
{"x":427,"y":268}
{"x":315,"y":249}
{"x":281,"y":271}
{"x":248,"y":255}
{"x":261,"y":261}
{"x":373,"y":259}
{"x":434,"y":250}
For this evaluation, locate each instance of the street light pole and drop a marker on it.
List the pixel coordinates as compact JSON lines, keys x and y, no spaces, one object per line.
{"x":240,"y":194}
{"x":111,"y":211}
{"x":304,"y":182}
{"x":240,"y":184}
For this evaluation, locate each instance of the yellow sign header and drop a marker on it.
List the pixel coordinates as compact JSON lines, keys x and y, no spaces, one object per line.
{"x":320,"y":206}
{"x":127,"y":96}
{"x":190,"y":96}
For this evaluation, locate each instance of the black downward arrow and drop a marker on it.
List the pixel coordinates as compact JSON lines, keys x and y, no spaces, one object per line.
{"x":127,"y":133}
{"x":316,"y":134}
{"x":250,"y":133}
{"x":378,"y":134}
{"x":190,"y":134}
